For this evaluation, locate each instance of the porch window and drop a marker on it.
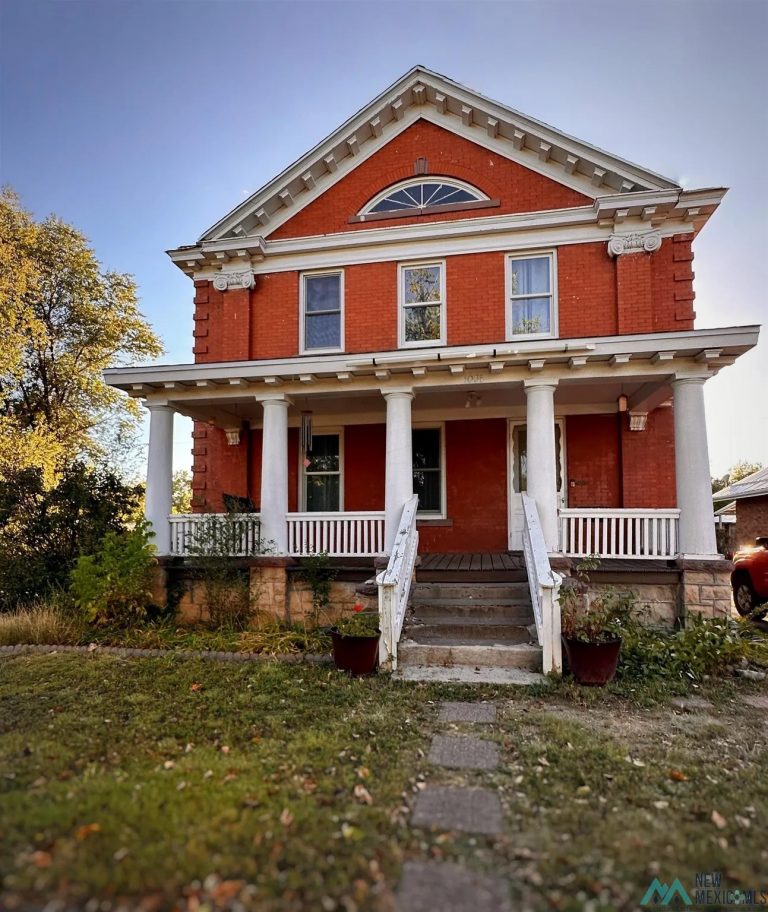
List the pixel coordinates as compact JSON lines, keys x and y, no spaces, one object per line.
{"x":322,"y":324}
{"x":531,"y":296}
{"x":322,"y":474}
{"x":427,"y":446}
{"x":422,"y":304}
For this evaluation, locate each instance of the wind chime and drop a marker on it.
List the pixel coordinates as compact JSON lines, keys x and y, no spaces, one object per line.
{"x":306,"y":437}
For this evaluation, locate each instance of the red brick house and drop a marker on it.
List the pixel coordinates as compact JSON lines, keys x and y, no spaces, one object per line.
{"x":464,"y":304}
{"x":744,"y":504}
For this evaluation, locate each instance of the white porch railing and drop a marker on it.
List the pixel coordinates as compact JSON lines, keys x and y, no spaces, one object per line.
{"x":626,"y":534}
{"x":240,"y":536}
{"x":395,"y":583}
{"x":358,"y":534}
{"x":544,"y":584}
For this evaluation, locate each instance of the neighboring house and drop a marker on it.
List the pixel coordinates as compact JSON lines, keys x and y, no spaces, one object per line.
{"x":745,"y":510}
{"x":450,"y":298}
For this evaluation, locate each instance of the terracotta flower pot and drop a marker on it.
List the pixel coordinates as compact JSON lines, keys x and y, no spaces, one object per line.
{"x":593,"y":664}
{"x":359,"y":655}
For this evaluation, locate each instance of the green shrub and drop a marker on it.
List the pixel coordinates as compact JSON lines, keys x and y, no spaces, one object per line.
{"x":48,"y":624}
{"x":318,"y":574}
{"x":706,"y":646}
{"x":44,"y":530}
{"x":225,"y":582}
{"x":113,"y":585}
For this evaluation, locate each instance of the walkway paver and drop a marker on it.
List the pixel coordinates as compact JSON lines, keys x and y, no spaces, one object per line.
{"x":463,"y":752}
{"x":467,"y":712}
{"x":469,"y":810}
{"x":441,"y":886}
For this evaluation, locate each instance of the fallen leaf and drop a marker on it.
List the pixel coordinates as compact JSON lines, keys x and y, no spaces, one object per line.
{"x":363,"y":772}
{"x":543,"y":761}
{"x":583,"y":790}
{"x":719,"y":821}
{"x":660,"y":805}
{"x":225,"y":748}
{"x":120,"y":854}
{"x":362,"y":794}
{"x":678,"y":776}
{"x":85,"y":831}
{"x":195,"y":687}
{"x":42,"y":859}
{"x":286,"y":818}
{"x":169,"y":764}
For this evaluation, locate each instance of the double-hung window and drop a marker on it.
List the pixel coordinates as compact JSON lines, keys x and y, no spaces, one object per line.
{"x":322,"y":475}
{"x":531,"y":297}
{"x":322,"y":312}
{"x":422,"y":304}
{"x":428,"y":477}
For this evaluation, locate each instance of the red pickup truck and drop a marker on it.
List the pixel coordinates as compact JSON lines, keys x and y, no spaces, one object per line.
{"x":750,"y":579}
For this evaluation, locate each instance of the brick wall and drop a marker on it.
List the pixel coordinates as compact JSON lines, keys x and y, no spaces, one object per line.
{"x":648,"y":462}
{"x":751,"y":520}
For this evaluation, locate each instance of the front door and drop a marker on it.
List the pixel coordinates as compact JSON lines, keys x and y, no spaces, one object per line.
{"x":518,"y":476}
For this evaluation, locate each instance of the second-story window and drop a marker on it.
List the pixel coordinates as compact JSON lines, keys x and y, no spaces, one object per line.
{"x":422,"y":304}
{"x":531,"y":296}
{"x":322,"y":317}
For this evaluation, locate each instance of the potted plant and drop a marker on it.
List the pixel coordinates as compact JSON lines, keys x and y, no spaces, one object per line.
{"x":591,"y":625}
{"x":356,"y":642}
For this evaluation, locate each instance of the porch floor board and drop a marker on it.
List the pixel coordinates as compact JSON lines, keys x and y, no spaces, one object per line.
{"x":488,"y":566}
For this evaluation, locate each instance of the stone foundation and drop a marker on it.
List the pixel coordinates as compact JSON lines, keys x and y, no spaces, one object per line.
{"x":705,"y":589}
{"x":656,"y":602}
{"x":276,"y":592}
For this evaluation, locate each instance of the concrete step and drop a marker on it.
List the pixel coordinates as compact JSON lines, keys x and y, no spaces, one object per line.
{"x":476,"y":592}
{"x":509,"y":611}
{"x":450,"y":653}
{"x":469,"y":631}
{"x":462,"y":674}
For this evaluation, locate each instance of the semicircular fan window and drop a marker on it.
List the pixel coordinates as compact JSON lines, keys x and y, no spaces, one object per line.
{"x":422,"y":194}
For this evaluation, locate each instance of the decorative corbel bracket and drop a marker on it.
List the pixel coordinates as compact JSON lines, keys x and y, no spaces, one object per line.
{"x":224,"y":281}
{"x":634,"y":242}
{"x":233,"y":436}
{"x":638,"y":421}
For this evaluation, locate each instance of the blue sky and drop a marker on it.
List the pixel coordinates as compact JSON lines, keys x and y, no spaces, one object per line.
{"x":143,"y":122}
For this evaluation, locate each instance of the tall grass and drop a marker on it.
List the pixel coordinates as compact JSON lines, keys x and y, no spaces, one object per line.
{"x":43,"y":623}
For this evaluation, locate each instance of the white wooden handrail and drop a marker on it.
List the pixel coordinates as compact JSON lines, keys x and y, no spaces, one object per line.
{"x":395,"y":583}
{"x":630,"y":534}
{"x":544,"y":585}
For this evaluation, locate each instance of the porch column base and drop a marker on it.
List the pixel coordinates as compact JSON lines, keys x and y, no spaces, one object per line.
{"x":705,"y":588}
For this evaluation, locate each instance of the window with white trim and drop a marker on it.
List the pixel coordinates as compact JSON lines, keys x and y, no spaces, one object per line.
{"x":422,"y":304}
{"x":322,"y":312}
{"x":531,"y":295}
{"x":322,"y":474}
{"x":424,"y":193}
{"x":428,"y":479}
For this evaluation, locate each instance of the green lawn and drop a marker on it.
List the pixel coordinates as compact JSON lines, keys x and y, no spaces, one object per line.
{"x":287,"y":787}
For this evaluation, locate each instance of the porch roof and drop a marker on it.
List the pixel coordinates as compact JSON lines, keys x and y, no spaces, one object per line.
{"x":653,"y":358}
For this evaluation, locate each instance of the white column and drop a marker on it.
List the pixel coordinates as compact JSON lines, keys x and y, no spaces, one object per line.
{"x":158,"y":498}
{"x":274,"y":474}
{"x":694,"y":490}
{"x":542,"y":471}
{"x":399,"y":461}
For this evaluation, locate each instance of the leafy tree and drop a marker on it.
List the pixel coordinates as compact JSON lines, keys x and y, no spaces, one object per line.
{"x":737,"y":472}
{"x":181,"y":491}
{"x":43,"y":530}
{"x":63,"y":320}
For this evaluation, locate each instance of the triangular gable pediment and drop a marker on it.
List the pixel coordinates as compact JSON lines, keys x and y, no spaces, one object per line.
{"x":423,"y":94}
